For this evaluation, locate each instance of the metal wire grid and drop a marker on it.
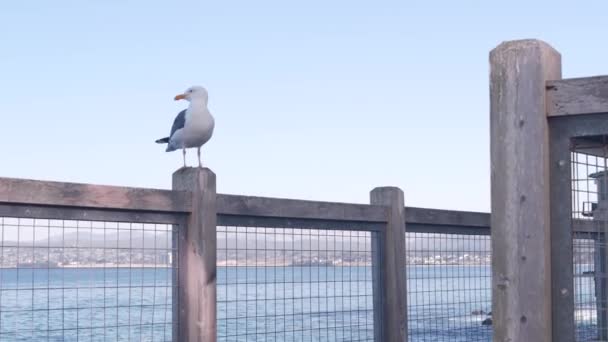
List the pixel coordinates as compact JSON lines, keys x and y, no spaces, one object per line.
{"x":294,"y":285}
{"x":589,"y":248}
{"x":449,"y":287}
{"x":66,"y":280}
{"x":585,"y":301}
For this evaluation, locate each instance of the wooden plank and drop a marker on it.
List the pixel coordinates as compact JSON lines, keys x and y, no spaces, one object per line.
{"x":562,"y":225}
{"x":197,"y":256}
{"x":178,"y":259}
{"x":447,"y":229}
{"x":446,"y":217}
{"x":25,"y":191}
{"x":521,"y":238}
{"x":585,"y":227}
{"x":284,"y":222}
{"x":277,"y":207}
{"x":56,"y":213}
{"x":392,"y":275}
{"x":574,"y":96}
{"x":420,"y":220}
{"x":377,"y":246}
{"x":270,"y":212}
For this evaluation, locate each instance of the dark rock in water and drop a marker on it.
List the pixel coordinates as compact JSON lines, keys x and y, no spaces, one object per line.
{"x":478,"y":313}
{"x":487,"y":321}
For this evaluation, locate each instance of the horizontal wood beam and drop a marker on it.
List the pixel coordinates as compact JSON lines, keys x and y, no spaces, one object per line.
{"x":588,"y":95}
{"x":244,"y":210}
{"x":299,"y":209}
{"x":88,"y":214}
{"x":33,"y":192}
{"x":446,"y":217}
{"x":295,"y":223}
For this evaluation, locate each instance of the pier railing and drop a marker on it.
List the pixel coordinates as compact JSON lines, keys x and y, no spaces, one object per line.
{"x":188,"y":264}
{"x":549,"y":155}
{"x":87,"y":262}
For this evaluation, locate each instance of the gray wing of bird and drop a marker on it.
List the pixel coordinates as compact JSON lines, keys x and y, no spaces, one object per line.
{"x":178,"y":123}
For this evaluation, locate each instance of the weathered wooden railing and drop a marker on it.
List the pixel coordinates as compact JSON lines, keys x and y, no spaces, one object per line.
{"x":545,"y":130}
{"x":197,"y":211}
{"x":191,"y":208}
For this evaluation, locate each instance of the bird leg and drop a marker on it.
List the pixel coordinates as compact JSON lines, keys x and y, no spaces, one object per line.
{"x":200,"y":165}
{"x":184,"y":154}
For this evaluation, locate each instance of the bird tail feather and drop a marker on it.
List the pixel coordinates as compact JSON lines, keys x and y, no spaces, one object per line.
{"x":170,"y":147}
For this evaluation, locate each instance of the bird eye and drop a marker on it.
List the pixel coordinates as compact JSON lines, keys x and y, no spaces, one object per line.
{"x":190,"y":90}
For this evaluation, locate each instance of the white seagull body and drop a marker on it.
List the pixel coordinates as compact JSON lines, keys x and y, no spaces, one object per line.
{"x":193,"y":126}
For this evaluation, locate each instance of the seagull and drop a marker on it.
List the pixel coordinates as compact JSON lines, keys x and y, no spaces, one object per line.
{"x":193,"y":126}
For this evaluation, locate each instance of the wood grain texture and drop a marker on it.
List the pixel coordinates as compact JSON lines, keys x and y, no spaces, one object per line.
{"x":378,"y":274}
{"x":521,"y":239}
{"x":446,"y":217}
{"x":58,"y":194}
{"x":562,"y":258}
{"x":392,"y":275}
{"x":25,"y":191}
{"x":574,"y":96}
{"x":197,"y":257}
{"x":67,"y":213}
{"x":285,"y":222}
{"x":237,"y":210}
{"x":278,"y":207}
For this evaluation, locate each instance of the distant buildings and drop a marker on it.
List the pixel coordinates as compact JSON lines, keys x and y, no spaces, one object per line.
{"x":45,"y":257}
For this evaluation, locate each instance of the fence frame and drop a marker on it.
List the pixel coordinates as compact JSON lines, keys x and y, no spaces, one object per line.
{"x":521,"y":235}
{"x":385,"y":215}
{"x":563,"y":129}
{"x":390,"y":256}
{"x":72,"y":201}
{"x":69,"y":201}
{"x":534,"y":117}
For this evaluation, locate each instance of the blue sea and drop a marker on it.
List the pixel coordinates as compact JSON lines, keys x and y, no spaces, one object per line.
{"x":282,"y":303}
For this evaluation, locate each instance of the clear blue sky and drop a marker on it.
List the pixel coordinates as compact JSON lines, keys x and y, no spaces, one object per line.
{"x":313,"y":99}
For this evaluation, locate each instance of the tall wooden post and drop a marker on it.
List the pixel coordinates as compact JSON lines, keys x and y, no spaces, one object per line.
{"x":197,"y":257}
{"x":521,"y":235}
{"x":390,"y":288}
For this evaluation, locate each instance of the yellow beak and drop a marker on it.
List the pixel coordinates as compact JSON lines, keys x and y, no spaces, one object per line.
{"x":180,"y":97}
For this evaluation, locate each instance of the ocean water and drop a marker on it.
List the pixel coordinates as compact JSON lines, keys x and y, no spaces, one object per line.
{"x":335,"y":303}
{"x":445,"y":303}
{"x":86,"y":304}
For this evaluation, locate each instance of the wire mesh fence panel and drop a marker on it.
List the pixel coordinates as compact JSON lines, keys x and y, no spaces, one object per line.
{"x":585,"y":301}
{"x":294,"y":285}
{"x":63,"y":280}
{"x":589,"y":248}
{"x":449,"y":287}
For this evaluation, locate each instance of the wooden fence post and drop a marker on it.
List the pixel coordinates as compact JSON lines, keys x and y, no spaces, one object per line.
{"x":390,"y":277}
{"x":197,"y":257}
{"x":521,"y":235}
